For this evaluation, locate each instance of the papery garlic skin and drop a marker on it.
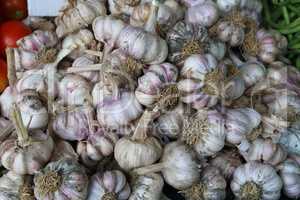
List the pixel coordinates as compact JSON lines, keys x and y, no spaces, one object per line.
{"x":72,"y":124}
{"x":11,"y":186}
{"x":78,"y":40}
{"x":231,"y":33}
{"x":147,"y":187}
{"x":205,"y":14}
{"x":74,"y":90}
{"x":227,"y":5}
{"x":64,"y":179}
{"x":252,"y":73}
{"x":30,"y":159}
{"x":123,"y":7}
{"x":7,"y":98}
{"x":115,"y":111}
{"x":111,"y":184}
{"x":290,"y":139}
{"x":240,"y":123}
{"x":6,"y":128}
{"x":63,"y":150}
{"x":261,"y":178}
{"x":227,"y":162}
{"x":38,"y":23}
{"x":84,"y":61}
{"x":79,"y":15}
{"x":266,"y":151}
{"x":153,"y":81}
{"x":290,"y":175}
{"x":98,"y":145}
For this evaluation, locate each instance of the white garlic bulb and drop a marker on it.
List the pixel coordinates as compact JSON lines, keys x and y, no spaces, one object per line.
{"x":179,"y":166}
{"x":84,"y":61}
{"x":205,"y":14}
{"x":147,"y":187}
{"x":205,"y":132}
{"x":152,"y":84}
{"x":227,"y":5}
{"x":108,"y":185}
{"x":74,"y":90}
{"x":227,"y":162}
{"x":240,"y":124}
{"x":212,"y":186}
{"x":256,"y":181}
{"x":265,"y":151}
{"x":252,"y":72}
{"x":15,"y":187}
{"x":290,"y":174}
{"x":140,"y":149}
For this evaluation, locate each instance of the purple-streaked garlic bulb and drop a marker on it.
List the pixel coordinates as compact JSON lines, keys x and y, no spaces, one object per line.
{"x":136,"y":42}
{"x":140,"y":149}
{"x":252,"y":73}
{"x":74,"y":90}
{"x":148,"y":186}
{"x":61,"y":180}
{"x":84,"y":61}
{"x":108,"y":185}
{"x":178,"y":165}
{"x":169,"y":12}
{"x":158,"y":82}
{"x":203,"y":82}
{"x":35,"y":50}
{"x":71,"y":123}
{"x":227,"y":161}
{"x":204,"y":132}
{"x":27,"y":153}
{"x":289,"y":172}
{"x":15,"y":187}
{"x":265,"y":151}
{"x":77,"y":15}
{"x":212,"y":186}
{"x":115,"y":108}
{"x":6,"y":129}
{"x":263,"y":45}
{"x":241,"y":124}
{"x":99,"y":144}
{"x":256,"y":181}
{"x":63,"y":150}
{"x":205,"y":14}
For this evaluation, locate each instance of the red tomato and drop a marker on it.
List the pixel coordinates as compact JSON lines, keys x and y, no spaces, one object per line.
{"x":10,"y":33}
{"x":13,"y":9}
{"x":3,"y":75}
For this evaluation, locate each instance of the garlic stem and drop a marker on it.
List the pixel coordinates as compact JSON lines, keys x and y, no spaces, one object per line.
{"x":86,"y":68}
{"x":94,"y":53}
{"x":149,"y":169}
{"x":151,"y":22}
{"x":11,"y":71}
{"x":22,"y":133}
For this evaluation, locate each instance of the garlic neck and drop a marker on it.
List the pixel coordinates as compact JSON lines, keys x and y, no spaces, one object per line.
{"x":149,"y":169}
{"x":251,"y":191}
{"x":24,"y":139}
{"x":49,"y":182}
{"x":109,"y":196}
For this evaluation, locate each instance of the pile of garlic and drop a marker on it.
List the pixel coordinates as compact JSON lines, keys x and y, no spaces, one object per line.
{"x":117,"y":100}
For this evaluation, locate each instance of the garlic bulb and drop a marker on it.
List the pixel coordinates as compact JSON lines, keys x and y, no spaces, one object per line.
{"x":204,"y":82}
{"x":134,"y":41}
{"x":7,"y":98}
{"x":15,"y":187}
{"x":265,"y":151}
{"x":185,"y":39}
{"x":84,"y":61}
{"x":169,"y":12}
{"x":72,"y":124}
{"x":227,"y":162}
{"x":74,"y":90}
{"x":227,"y":5}
{"x":263,"y":45}
{"x":212,"y":186}
{"x":205,"y":132}
{"x":99,"y":144}
{"x":155,"y":84}
{"x":140,"y":149}
{"x":35,"y":50}
{"x":147,"y":187}
{"x":78,"y":14}
{"x":31,"y":151}
{"x":64,"y":179}
{"x":205,"y":14}
{"x":115,"y":110}
{"x":63,"y":150}
{"x":290,"y":175}
{"x":242,"y":123}
{"x":256,"y":181}
{"x":108,"y":185}
{"x":290,"y":139}
{"x":179,"y":166}
{"x":252,"y":73}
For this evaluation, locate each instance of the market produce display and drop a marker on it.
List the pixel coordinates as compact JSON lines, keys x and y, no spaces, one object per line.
{"x":122,"y":99}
